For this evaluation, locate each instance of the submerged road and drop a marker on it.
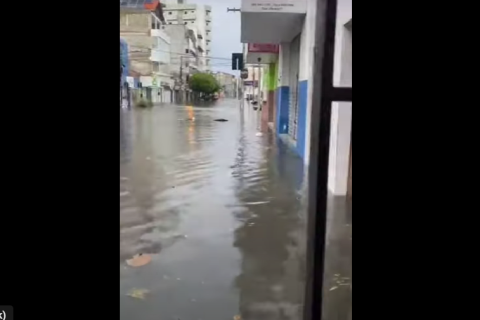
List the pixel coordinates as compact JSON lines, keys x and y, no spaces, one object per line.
{"x":220,"y":210}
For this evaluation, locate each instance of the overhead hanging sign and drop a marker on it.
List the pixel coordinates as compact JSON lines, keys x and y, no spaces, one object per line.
{"x":263,"y":48}
{"x":285,"y":6}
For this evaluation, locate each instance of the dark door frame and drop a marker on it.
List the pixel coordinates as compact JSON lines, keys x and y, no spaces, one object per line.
{"x":324,"y":94}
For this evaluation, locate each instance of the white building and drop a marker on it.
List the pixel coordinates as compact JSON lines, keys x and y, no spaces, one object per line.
{"x":184,"y":58}
{"x":197,"y":18}
{"x":291,"y":24}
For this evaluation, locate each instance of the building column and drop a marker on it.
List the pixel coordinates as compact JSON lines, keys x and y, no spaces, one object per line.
{"x":283,"y":89}
{"x":270,"y":85}
{"x":341,"y":123}
{"x":340,"y":139}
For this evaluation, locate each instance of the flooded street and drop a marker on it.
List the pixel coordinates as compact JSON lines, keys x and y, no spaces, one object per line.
{"x":220,"y":210}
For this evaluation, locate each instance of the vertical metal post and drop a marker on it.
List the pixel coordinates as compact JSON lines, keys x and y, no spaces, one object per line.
{"x":242,"y":102}
{"x":259,"y":97}
{"x":181,"y":79}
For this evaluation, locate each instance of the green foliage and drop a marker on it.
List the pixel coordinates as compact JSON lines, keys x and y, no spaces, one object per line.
{"x":204,"y":83}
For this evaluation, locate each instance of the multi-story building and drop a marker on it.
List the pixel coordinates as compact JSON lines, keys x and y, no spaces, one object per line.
{"x":148,"y":48}
{"x":197,"y":18}
{"x":184,"y":58}
{"x":228,"y":83}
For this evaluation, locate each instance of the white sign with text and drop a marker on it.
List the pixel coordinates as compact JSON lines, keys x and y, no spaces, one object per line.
{"x":280,"y":6}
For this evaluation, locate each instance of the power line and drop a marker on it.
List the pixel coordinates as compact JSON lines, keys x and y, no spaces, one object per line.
{"x":182,"y":54}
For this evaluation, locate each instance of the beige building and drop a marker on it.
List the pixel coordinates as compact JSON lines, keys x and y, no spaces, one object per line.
{"x":228,"y":82}
{"x":149,"y":51}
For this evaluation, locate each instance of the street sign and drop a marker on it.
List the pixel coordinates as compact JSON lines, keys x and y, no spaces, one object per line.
{"x":237,"y":61}
{"x":250,"y":83}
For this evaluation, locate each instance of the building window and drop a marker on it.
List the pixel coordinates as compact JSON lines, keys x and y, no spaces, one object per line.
{"x":186,"y":50}
{"x":186,"y":12}
{"x":170,"y":12}
{"x":193,"y":11}
{"x":186,"y":22}
{"x":192,"y":22}
{"x":169,"y":23}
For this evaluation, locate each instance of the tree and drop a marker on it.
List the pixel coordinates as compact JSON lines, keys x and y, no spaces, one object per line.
{"x":204,"y":83}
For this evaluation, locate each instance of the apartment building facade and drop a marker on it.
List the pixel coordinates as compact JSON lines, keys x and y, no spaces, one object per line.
{"x":196,"y":18}
{"x":228,"y":83}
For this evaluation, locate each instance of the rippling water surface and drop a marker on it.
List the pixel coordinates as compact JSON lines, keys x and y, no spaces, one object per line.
{"x":220,"y":210}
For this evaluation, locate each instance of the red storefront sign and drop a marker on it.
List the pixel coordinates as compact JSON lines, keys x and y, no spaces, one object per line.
{"x":263,"y":48}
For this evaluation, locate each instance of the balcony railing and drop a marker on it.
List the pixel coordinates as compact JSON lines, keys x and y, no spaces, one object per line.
{"x":156,"y":22}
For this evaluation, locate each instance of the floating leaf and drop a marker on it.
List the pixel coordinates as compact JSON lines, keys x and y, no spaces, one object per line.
{"x":139,"y":260}
{"x":138,"y":293}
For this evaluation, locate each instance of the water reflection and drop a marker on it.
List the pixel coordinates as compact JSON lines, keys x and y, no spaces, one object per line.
{"x":217,"y":207}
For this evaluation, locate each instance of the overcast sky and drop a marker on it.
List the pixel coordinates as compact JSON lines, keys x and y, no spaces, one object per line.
{"x":225,"y":32}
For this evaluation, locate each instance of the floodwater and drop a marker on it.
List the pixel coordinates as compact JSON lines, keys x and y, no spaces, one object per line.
{"x":219,"y":208}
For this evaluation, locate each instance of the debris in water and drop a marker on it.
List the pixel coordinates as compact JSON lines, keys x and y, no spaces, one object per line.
{"x":237,"y":317}
{"x":139,"y":260}
{"x":138,"y":293}
{"x":221,"y":120}
{"x":256,"y":203}
{"x":124,"y":193}
{"x":333,"y":288}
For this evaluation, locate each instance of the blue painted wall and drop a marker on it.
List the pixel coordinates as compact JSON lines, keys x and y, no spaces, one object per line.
{"x":124,"y":58}
{"x":302,"y":118}
{"x":282,"y":109}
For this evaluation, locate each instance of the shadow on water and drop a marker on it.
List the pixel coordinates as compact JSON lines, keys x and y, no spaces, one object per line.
{"x":218,"y":207}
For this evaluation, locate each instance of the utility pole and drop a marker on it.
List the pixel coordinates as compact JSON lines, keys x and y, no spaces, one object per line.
{"x":181,"y":78}
{"x":260,"y":98}
{"x":242,"y":101}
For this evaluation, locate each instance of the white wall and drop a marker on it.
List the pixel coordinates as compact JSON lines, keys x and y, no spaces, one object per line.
{"x":306,"y":71}
{"x":341,"y":112}
{"x":283,"y":65}
{"x":344,"y":15}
